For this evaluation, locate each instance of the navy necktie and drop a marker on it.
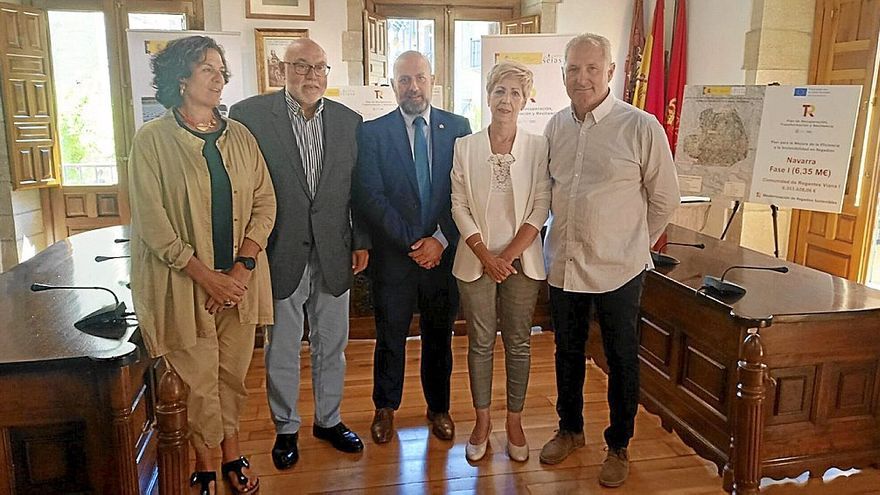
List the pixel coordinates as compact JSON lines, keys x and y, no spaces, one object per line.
{"x":423,"y":171}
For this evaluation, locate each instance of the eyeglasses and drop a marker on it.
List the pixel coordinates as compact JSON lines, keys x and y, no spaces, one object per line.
{"x":302,"y":69}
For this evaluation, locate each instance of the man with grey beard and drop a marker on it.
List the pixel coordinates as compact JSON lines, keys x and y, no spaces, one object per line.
{"x":402,"y":186}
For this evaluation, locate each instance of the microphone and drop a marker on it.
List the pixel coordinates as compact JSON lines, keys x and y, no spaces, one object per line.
{"x":120,"y":241}
{"x":664,"y":259}
{"x":109,"y":321}
{"x":100,"y":259}
{"x":720,"y":287}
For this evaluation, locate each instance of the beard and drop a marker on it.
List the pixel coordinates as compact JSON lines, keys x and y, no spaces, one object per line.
{"x":413,"y":107}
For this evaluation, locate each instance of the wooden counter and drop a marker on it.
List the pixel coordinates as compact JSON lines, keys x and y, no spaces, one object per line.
{"x":803,"y":393}
{"x":77,"y":411}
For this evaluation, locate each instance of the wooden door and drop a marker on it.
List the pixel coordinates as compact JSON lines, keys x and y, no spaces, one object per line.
{"x":28,"y":98}
{"x":845,"y":52}
{"x":73,"y":206}
{"x":375,"y":49}
{"x":523,"y":25}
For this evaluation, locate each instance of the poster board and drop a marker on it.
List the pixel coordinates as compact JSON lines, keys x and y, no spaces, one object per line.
{"x":372,"y":102}
{"x":805,"y":145}
{"x":543,"y":54}
{"x":782,"y":145}
{"x":143,"y":44}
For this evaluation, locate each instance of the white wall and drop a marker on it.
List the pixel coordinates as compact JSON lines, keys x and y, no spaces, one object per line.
{"x":327,"y":30}
{"x":716,"y":34}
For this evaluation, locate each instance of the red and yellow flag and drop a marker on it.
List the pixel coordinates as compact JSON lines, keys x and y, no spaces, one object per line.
{"x":651,"y":84}
{"x":677,"y":74}
{"x":636,"y":50}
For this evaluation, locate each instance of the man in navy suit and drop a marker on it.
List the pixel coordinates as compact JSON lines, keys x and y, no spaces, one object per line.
{"x":402,"y":188}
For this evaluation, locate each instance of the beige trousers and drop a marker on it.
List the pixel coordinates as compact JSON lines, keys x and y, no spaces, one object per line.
{"x":214,"y":370}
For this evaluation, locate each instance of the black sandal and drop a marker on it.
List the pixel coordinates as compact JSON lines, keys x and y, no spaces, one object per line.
{"x":237,"y":466}
{"x":204,"y":479}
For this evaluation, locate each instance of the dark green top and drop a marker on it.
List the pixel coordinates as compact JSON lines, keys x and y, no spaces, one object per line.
{"x":221,"y":195}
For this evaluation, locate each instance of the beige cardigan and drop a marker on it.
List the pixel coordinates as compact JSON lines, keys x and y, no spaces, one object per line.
{"x":170,"y":192}
{"x":471,"y":180}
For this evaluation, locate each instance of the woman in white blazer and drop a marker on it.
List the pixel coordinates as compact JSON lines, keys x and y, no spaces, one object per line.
{"x":500,"y":201}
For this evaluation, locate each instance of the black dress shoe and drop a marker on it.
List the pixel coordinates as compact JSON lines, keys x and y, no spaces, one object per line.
{"x":340,"y":436}
{"x":284,"y":452}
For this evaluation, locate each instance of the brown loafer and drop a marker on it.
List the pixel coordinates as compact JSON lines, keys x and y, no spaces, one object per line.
{"x":441,"y":425}
{"x":383,"y":425}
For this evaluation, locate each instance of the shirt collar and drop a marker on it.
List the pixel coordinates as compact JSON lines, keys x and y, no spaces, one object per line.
{"x":410,"y":118}
{"x":295,"y":108}
{"x":600,"y":112}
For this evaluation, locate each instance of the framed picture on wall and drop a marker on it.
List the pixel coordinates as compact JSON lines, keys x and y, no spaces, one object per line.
{"x":300,"y":10}
{"x":270,"y":46}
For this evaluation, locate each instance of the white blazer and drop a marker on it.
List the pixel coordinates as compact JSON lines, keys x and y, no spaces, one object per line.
{"x":471,"y":179}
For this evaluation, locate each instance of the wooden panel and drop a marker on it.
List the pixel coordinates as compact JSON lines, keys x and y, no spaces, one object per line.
{"x":832,"y":262}
{"x":50,"y":458}
{"x":18,"y":100}
{"x":704,"y":376}
{"x":852,"y":389}
{"x":26,"y":167}
{"x":40,"y":98}
{"x":817,"y":223}
{"x":75,"y":205}
{"x":27,"y":65}
{"x":47,"y":164}
{"x":31,"y":131}
{"x":656,"y":346}
{"x":791,"y":400}
{"x":107,"y":205}
{"x":28,"y":89}
{"x":846,"y":226}
{"x":10,"y":25}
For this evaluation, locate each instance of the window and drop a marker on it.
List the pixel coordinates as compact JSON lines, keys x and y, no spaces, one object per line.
{"x":82,"y":89}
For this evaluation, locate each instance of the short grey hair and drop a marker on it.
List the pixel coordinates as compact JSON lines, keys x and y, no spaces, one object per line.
{"x":410,"y":54}
{"x":507,"y":68}
{"x":590,"y":39}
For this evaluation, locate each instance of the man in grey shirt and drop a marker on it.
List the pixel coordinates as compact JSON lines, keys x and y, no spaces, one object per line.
{"x":614,"y":191}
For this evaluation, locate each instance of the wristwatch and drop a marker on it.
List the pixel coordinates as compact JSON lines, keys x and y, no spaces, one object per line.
{"x":249,"y":263}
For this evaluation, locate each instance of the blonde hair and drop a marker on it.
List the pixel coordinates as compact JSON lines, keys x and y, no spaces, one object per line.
{"x":513,"y":68}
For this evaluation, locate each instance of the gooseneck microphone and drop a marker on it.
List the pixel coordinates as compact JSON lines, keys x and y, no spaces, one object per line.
{"x":120,"y":240}
{"x":721,"y":287}
{"x":109,"y":321}
{"x":664,"y":259}
{"x":100,"y":259}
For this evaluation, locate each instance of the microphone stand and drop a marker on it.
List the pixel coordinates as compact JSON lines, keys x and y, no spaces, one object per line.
{"x":730,"y":218}
{"x":109,"y":321}
{"x":661,"y":259}
{"x":723,"y":288}
{"x":774,"y":210}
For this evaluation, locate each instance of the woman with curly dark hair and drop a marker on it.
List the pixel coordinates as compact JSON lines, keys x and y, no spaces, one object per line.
{"x":202,"y":208}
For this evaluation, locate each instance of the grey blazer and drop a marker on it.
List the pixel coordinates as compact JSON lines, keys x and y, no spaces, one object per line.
{"x":328,"y":221}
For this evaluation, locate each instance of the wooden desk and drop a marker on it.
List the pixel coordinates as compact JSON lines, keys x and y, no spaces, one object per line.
{"x":807,"y":395}
{"x":77,"y":411}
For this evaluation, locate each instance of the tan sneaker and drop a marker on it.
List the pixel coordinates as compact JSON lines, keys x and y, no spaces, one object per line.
{"x":615,"y":468}
{"x":562,"y":444}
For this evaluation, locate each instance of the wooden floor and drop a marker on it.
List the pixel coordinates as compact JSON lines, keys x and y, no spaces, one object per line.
{"x":415,"y":462}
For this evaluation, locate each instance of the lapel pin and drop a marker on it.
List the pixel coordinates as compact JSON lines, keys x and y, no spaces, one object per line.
{"x":442,"y":126}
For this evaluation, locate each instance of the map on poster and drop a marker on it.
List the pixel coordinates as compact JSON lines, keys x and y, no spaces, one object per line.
{"x":717,"y":140}
{"x":783,"y":145}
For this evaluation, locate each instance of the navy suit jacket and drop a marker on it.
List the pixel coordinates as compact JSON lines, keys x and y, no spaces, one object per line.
{"x":386,"y":191}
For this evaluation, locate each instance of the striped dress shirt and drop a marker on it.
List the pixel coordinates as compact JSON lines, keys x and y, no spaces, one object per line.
{"x":309,"y":139}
